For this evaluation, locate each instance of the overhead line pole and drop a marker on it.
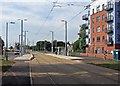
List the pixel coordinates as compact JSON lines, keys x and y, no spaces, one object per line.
{"x":52,"y":41}
{"x":65,"y":36}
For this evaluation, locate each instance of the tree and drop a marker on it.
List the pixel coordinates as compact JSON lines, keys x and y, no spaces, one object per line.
{"x":60,"y":44}
{"x":43,"y":45}
{"x":76,"y":45}
{"x":82,"y":40}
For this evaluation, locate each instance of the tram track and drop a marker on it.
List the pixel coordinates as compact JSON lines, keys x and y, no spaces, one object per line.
{"x":69,"y":63}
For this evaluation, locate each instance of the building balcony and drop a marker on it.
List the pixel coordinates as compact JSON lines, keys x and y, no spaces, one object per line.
{"x":86,"y":45}
{"x":79,"y":34}
{"x":86,"y":36}
{"x":85,"y":17}
{"x":85,"y":26}
{"x":109,"y":30}
{"x":109,"y":18}
{"x":109,"y":42}
{"x":109,"y":7}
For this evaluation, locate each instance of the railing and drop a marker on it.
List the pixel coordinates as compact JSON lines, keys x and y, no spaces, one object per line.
{"x":109,"y":7}
{"x":110,"y":42}
{"x":110,"y":30}
{"x":109,"y":18}
{"x":85,"y":26}
{"x":85,"y":17}
{"x":86,"y":36}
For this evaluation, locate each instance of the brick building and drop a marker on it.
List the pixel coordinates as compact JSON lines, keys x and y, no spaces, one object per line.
{"x":103,"y":28}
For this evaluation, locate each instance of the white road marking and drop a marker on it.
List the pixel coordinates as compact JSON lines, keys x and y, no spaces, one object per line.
{"x":30,"y":70}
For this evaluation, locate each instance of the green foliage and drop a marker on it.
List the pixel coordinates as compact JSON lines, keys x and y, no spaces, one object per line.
{"x":43,"y":45}
{"x":82,"y":35}
{"x":60,"y":44}
{"x":78,"y":45}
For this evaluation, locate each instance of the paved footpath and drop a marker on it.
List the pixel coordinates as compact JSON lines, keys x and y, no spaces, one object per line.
{"x":18,"y":74}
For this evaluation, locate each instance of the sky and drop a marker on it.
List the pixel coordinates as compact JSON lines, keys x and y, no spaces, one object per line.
{"x":40,"y":19}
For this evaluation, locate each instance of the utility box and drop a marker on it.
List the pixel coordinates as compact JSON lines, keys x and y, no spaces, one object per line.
{"x":116,"y":54}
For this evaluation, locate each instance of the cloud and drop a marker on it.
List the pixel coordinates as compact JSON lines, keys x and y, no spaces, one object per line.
{"x":37,"y":24}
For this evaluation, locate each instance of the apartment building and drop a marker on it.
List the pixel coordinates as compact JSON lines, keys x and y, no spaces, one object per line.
{"x":103,"y":28}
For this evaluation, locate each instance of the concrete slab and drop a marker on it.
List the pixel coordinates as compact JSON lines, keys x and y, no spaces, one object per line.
{"x":66,"y":57}
{"x":26,"y":57}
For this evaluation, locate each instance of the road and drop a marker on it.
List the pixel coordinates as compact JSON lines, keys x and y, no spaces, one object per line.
{"x":58,"y":72}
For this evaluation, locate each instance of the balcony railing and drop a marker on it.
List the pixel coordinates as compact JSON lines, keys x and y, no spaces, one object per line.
{"x":109,"y":30}
{"x":85,"y":17}
{"x":85,"y":26}
{"x":109,"y":18}
{"x":110,"y":42}
{"x":108,"y":7}
{"x":86,"y":36}
{"x":86,"y":45}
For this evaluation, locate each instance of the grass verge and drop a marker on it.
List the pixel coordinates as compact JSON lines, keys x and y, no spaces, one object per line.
{"x":75,"y":54}
{"x":108,"y":64}
{"x":5,"y":64}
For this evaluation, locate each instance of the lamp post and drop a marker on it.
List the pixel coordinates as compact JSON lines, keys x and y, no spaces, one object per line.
{"x":19,"y":39}
{"x":52,"y":40}
{"x":7,"y":26}
{"x":21,"y":47}
{"x":65,"y":36}
{"x":25,"y":34}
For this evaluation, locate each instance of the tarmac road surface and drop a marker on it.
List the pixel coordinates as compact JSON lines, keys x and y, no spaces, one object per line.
{"x":55,"y":71}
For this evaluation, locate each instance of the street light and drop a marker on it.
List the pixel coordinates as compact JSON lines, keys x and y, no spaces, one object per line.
{"x":19,"y":39}
{"x":25,"y":35}
{"x":7,"y":24}
{"x":65,"y":36}
{"x":52,"y":40}
{"x":21,"y":47}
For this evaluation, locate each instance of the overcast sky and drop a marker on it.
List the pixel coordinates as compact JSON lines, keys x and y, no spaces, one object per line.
{"x":39,"y":23}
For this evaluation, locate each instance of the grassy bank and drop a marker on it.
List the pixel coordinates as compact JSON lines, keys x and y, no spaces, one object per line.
{"x":5,"y":64}
{"x":75,"y":54}
{"x":108,"y":64}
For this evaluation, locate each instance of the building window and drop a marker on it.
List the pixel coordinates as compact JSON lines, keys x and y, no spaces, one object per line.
{"x":98,"y":39}
{"x":103,"y":50}
{"x":98,"y":29}
{"x":103,"y":38}
{"x":110,"y":39}
{"x":103,"y":6}
{"x":103,"y":27}
{"x":98,"y":19}
{"x":92,"y":20}
{"x":93,"y":40}
{"x":118,"y":37}
{"x":98,"y":8}
{"x":110,"y":26}
{"x":93,"y":50}
{"x":118,"y":13}
{"x":103,"y":17}
{"x":93,"y":11}
{"x":98,"y":50}
{"x":89,"y":40}
{"x":118,"y":26}
{"x":93,"y":30}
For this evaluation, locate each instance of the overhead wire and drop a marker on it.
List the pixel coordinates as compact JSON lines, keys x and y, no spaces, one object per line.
{"x":54,"y":4}
{"x":86,"y":7}
{"x":48,"y":14}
